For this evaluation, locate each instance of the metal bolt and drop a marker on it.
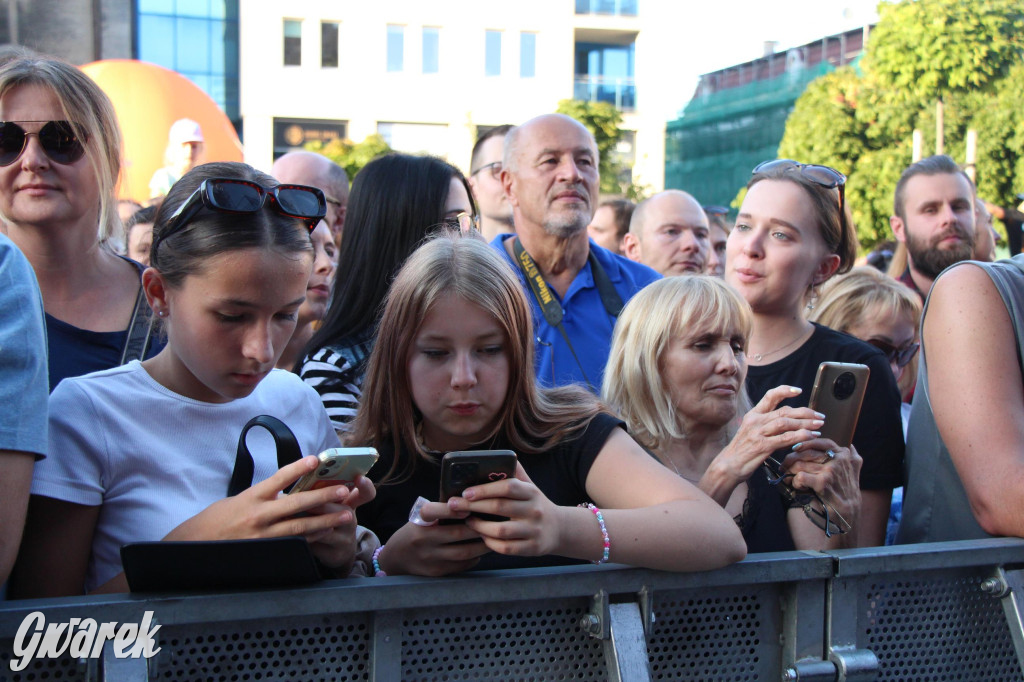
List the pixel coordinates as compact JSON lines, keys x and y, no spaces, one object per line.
{"x":790,"y":675}
{"x":991,"y":586}
{"x":590,"y":624}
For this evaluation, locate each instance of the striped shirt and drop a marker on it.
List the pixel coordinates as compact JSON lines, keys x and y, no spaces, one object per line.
{"x":336,"y":373}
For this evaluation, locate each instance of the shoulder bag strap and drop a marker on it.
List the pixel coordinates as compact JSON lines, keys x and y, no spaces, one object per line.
{"x":140,"y":330}
{"x":609,"y":296}
{"x":288,"y":451}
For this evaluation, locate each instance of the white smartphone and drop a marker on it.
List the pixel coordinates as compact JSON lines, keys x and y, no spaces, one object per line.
{"x":338,"y":466}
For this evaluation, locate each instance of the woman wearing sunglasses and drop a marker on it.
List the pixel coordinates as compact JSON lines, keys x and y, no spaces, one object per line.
{"x":60,"y":156}
{"x":146,"y":451}
{"x":792,"y":234}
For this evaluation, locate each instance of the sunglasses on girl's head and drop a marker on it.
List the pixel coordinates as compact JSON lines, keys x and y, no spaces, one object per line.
{"x":57,"y":138}
{"x":827,"y":177}
{"x":229,"y":195}
{"x":900,"y":356}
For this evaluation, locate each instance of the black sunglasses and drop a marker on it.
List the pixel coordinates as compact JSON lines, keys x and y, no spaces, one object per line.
{"x":900,"y":356}
{"x":57,"y":138}
{"x":230,"y":195}
{"x":825,"y":176}
{"x":822,"y":514}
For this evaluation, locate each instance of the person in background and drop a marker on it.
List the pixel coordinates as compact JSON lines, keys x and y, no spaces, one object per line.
{"x":1013,"y":221}
{"x":139,"y":232}
{"x":396,"y":201}
{"x":185,"y":145}
{"x":485,"y":183}
{"x":451,"y":371}
{"x":669,"y":233}
{"x":675,"y":375}
{"x":718,"y":234}
{"x":58,"y":203}
{"x":551,"y":179}
{"x":318,"y":293}
{"x":985,"y":235}
{"x":316,"y":170}
{"x":23,"y":421}
{"x":610,"y":224}
{"x":792,"y":234}
{"x":965,"y":442}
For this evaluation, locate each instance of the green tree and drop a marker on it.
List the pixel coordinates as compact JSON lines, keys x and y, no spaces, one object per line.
{"x":350,"y":155}
{"x":602,"y":120}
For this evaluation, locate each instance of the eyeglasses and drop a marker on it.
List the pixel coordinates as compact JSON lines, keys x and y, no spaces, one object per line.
{"x":494,"y":167}
{"x":820,"y":175}
{"x":230,"y":195}
{"x":900,"y":356}
{"x":463,"y":222}
{"x":57,"y":138}
{"x":822,"y":514}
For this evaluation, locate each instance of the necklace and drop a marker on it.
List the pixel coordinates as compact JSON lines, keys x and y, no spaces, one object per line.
{"x":757,"y":357}
{"x":679,"y":473}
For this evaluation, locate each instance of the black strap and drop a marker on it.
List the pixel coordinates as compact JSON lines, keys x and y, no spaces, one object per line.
{"x":550,"y":306}
{"x":288,"y":451}
{"x":140,"y":330}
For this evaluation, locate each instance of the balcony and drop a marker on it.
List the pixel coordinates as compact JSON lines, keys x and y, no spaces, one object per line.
{"x":619,"y":91}
{"x":618,"y":8}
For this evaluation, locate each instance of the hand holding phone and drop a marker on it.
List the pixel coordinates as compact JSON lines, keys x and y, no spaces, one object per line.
{"x":461,"y":470}
{"x":337,"y":466}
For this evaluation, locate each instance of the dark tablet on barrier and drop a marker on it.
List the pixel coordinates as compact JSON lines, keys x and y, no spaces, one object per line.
{"x":218,"y":565}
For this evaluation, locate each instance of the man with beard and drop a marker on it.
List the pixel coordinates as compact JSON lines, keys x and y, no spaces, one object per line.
{"x":934,"y":207}
{"x":549,"y":174}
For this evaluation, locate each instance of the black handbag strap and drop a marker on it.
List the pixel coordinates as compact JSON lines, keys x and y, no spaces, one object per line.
{"x":288,"y":451}
{"x":550,"y":306}
{"x":140,"y":330}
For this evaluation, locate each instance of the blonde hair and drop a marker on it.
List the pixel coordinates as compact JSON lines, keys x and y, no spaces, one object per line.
{"x":91,"y":115}
{"x":667,"y":309}
{"x":531,"y":420}
{"x":848,"y":300}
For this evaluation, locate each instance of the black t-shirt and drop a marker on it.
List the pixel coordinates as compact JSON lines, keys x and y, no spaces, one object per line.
{"x":561,"y":474}
{"x":764,"y":521}
{"x":879,"y":434}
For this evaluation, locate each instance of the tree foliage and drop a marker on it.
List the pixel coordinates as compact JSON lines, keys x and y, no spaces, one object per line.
{"x":969,"y":54}
{"x":351,"y":156}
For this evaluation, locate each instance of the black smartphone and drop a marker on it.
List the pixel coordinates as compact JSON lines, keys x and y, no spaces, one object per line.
{"x":461,"y":470}
{"x":838,"y":394}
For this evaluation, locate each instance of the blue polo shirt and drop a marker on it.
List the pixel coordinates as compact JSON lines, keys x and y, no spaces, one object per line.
{"x":587,"y":323}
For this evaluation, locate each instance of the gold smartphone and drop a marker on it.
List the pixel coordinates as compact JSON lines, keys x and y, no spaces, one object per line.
{"x":838,"y":394}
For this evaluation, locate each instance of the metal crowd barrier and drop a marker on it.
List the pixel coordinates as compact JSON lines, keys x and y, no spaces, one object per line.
{"x":946,"y":611}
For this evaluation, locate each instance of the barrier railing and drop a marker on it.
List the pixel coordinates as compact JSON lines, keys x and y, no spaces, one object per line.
{"x":944,"y":611}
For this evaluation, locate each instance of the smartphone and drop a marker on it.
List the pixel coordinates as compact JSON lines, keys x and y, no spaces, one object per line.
{"x":838,"y":394}
{"x":338,"y":466}
{"x":461,"y":470}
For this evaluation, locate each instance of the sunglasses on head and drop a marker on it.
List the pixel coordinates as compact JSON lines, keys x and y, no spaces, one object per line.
{"x":57,"y":138}
{"x":827,"y":177}
{"x":463,"y":222}
{"x":900,"y":356}
{"x":229,"y":195}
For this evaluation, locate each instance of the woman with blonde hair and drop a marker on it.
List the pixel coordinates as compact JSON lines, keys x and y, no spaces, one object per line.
{"x":60,"y":156}
{"x":792,"y":234}
{"x":675,"y":373}
{"x":452,"y":369}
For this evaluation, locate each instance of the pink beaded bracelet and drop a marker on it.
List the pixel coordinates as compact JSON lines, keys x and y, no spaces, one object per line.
{"x":604,"y":532}
{"x":377,"y":572}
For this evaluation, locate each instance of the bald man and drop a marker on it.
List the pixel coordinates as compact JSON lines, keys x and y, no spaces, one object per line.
{"x":316,"y":170}
{"x":549,"y":174}
{"x":669,"y":233}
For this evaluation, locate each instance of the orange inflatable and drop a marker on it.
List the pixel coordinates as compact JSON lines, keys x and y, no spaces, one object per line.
{"x":148,"y":99}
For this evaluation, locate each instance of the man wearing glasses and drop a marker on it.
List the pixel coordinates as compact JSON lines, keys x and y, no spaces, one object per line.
{"x":485,"y":181}
{"x":316,"y":170}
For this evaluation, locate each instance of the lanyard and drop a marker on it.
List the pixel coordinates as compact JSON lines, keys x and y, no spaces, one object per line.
{"x":550,"y":306}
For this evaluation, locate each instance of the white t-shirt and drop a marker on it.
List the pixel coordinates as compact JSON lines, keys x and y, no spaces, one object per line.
{"x":153,"y":458}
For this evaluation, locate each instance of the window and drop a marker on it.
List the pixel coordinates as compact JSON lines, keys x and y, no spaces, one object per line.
{"x":292,"y":42}
{"x":328,"y":43}
{"x":527,"y":55}
{"x":431,"y":43}
{"x":492,"y":54}
{"x":396,"y":39}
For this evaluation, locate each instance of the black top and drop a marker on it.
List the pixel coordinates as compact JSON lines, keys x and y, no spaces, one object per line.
{"x":879,"y":434}
{"x":764,"y":520}
{"x":561,"y":474}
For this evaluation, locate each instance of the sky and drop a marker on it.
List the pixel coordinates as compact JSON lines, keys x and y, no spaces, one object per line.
{"x":715,"y":34}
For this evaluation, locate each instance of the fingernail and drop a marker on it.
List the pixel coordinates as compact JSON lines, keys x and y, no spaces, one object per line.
{"x":819,"y":415}
{"x":345,"y":516}
{"x":469,"y":494}
{"x":797,"y":446}
{"x":816,"y":433}
{"x":817,"y":422}
{"x":342,"y":492}
{"x":795,"y":389}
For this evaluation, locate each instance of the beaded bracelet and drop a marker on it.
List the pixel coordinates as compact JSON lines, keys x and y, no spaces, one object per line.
{"x":604,"y":532}
{"x":377,"y":572}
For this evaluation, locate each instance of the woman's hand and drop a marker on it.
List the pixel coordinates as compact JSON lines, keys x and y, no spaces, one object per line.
{"x":432,"y":550}
{"x":763,"y":430}
{"x":835,"y":479}
{"x":534,"y":526}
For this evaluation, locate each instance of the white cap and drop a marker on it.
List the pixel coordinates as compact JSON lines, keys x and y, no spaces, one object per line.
{"x":185,"y":130}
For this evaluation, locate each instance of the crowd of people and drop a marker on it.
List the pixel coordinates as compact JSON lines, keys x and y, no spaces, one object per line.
{"x":650,"y":365}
